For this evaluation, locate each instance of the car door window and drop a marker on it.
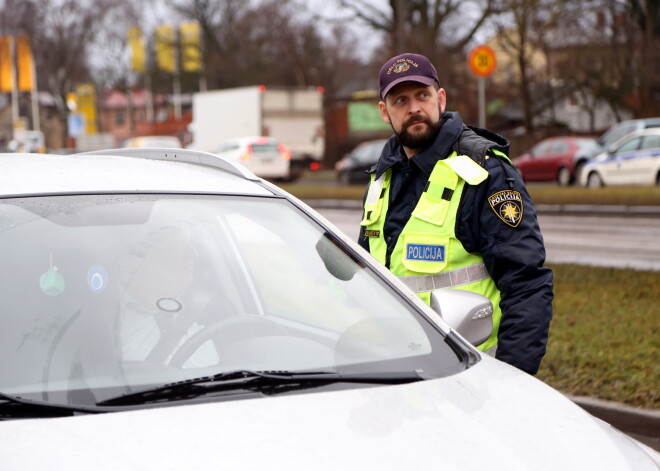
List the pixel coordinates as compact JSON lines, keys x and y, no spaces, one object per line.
{"x":632,"y":144}
{"x":650,"y":142}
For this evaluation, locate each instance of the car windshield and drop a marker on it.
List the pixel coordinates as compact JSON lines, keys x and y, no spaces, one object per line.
{"x":104,"y":294}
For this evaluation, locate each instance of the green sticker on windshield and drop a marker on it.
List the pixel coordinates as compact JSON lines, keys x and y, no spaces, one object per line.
{"x":51,"y":282}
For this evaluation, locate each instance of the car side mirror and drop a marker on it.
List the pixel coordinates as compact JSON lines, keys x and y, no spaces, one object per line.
{"x":470,"y":314}
{"x":337,"y":259}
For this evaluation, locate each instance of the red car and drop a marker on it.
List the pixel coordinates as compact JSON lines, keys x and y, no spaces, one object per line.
{"x":556,"y":159}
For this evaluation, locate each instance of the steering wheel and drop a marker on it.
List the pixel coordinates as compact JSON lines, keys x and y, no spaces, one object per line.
{"x":228,"y":331}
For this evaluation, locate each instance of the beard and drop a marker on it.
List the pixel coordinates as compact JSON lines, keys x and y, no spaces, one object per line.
{"x":418,"y":141}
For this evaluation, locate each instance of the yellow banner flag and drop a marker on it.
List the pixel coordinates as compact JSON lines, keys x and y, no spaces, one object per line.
{"x":191,"y":55}
{"x":24,"y":64}
{"x":86,"y":97}
{"x":165,"y":48}
{"x":6,"y":64}
{"x":138,"y":55}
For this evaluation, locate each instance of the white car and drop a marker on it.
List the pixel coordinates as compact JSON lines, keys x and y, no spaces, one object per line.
{"x":171,"y":310}
{"x":266,"y":157}
{"x":632,"y":160}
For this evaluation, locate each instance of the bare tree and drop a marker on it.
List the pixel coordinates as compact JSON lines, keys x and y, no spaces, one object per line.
{"x":62,"y":34}
{"x":525,"y":34}
{"x":646,"y":15}
{"x":217,"y":20}
{"x":272,"y":42}
{"x":439,"y":29}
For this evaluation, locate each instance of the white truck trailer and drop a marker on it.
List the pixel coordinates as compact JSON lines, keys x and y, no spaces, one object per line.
{"x":294,"y":116}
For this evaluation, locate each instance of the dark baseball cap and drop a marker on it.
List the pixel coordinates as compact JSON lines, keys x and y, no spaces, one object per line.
{"x":406,"y":67}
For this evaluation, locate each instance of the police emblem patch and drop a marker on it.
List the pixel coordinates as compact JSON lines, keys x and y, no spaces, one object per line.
{"x":508,"y":206}
{"x":401,"y":67}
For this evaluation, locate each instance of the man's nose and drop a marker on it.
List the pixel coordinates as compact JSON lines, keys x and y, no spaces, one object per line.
{"x":414,"y":106}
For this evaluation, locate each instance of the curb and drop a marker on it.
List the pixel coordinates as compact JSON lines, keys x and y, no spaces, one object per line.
{"x":642,"y":424}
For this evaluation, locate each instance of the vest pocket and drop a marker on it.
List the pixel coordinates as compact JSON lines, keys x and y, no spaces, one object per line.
{"x":372,"y":213}
{"x":433,"y":204}
{"x":433,"y":212}
{"x":424,"y":252}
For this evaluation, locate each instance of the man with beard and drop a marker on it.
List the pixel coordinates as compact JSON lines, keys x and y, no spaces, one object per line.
{"x":445,"y":208}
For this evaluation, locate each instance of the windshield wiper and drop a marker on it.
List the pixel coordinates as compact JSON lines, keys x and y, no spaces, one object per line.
{"x":264,"y":382}
{"x":15,"y":406}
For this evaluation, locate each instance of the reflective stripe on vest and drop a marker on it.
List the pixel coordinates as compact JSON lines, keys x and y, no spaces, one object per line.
{"x":446,"y":279}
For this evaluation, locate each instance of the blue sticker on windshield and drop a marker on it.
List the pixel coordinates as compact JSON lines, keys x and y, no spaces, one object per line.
{"x":97,"y":279}
{"x":426,"y":253}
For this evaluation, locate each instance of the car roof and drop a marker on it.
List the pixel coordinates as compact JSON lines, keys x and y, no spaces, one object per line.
{"x":126,"y":171}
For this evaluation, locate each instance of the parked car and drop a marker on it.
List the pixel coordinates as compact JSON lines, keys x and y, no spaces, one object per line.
{"x":632,"y":160}
{"x":619,"y":130}
{"x":265,"y":156}
{"x":351,"y":168}
{"x":159,"y":142}
{"x":556,"y":159}
{"x":174,"y":311}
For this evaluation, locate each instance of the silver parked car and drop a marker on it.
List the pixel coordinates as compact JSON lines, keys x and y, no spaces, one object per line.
{"x":632,"y":160}
{"x":167,"y":309}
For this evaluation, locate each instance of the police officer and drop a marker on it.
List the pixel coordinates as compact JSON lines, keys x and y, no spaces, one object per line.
{"x":446,"y":209}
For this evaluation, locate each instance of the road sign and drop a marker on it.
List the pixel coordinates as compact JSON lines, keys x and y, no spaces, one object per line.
{"x":482,"y":61}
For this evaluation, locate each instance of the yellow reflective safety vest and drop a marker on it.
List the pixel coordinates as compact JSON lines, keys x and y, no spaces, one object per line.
{"x":427,"y":254}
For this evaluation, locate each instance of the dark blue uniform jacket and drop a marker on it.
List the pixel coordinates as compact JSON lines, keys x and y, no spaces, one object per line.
{"x":514,"y":256}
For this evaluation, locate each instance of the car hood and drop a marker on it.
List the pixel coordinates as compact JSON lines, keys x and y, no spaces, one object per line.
{"x":489,"y":417}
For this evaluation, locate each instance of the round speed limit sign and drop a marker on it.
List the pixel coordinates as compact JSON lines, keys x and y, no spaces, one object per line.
{"x":482,"y":61}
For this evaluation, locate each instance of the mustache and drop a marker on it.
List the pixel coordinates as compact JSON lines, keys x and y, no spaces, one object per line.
{"x":416,"y":118}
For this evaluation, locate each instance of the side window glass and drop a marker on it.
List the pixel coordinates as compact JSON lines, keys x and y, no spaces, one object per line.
{"x":560,"y":147}
{"x":632,"y":144}
{"x":651,"y":142}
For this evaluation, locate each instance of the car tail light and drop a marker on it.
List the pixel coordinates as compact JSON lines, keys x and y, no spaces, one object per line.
{"x":314,"y":166}
{"x":284,"y":152}
{"x":247,"y":154}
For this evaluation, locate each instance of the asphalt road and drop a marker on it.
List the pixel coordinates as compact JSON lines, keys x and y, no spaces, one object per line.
{"x":596,"y":240}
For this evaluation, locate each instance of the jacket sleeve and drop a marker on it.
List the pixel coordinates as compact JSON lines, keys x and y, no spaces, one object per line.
{"x":510,"y":241}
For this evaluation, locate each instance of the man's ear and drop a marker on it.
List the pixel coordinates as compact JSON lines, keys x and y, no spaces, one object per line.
{"x":383,"y":112}
{"x":442,"y":99}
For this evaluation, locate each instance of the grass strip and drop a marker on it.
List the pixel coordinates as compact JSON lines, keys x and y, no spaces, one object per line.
{"x":605,"y":335}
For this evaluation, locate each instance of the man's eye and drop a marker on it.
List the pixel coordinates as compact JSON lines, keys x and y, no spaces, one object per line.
{"x":400,"y":100}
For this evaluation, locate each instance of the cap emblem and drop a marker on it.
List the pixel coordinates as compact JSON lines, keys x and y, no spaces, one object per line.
{"x":400,"y":67}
